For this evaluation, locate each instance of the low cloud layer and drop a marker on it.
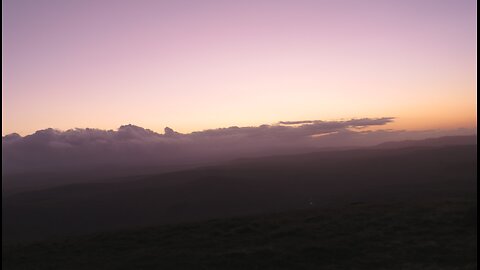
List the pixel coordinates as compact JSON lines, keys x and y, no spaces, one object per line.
{"x":130,"y":145}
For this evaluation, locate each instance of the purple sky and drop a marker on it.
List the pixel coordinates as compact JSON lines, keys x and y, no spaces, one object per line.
{"x":194,"y":65}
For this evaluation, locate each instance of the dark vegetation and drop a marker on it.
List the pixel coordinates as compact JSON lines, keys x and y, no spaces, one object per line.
{"x":412,"y":207}
{"x":410,"y":235}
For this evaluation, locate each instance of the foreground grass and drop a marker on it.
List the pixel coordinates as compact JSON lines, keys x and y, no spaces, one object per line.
{"x":413,"y":235}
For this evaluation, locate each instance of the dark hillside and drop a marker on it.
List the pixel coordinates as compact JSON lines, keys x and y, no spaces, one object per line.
{"x":246,"y":187}
{"x":422,"y":234}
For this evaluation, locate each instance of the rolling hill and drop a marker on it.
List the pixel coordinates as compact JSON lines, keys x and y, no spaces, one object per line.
{"x":243,"y":187}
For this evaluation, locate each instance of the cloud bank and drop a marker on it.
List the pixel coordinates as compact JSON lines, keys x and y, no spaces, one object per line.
{"x":130,"y":145}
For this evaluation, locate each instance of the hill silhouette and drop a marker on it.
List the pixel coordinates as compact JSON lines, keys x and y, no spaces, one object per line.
{"x":402,"y":205}
{"x":243,"y":187}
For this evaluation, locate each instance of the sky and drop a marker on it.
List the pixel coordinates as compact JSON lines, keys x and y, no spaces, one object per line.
{"x":197,"y":65}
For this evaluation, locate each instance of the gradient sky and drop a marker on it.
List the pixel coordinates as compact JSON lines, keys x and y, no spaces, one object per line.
{"x":193,"y":65}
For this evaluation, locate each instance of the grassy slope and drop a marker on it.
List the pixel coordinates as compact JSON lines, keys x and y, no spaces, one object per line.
{"x":421,"y":234}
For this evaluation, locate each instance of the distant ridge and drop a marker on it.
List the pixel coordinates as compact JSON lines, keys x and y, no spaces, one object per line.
{"x":430,"y":142}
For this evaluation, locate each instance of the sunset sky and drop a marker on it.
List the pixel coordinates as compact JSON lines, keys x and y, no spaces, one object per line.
{"x":194,"y":65}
